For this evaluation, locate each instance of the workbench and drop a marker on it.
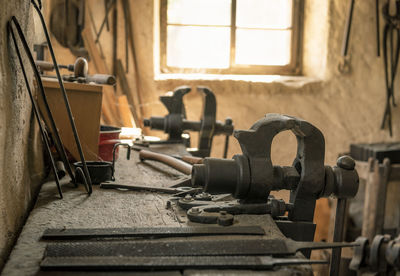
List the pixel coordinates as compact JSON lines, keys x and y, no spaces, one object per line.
{"x":116,"y":208}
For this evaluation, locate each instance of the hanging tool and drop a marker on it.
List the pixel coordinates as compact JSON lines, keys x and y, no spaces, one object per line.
{"x":175,"y":123}
{"x":33,"y":102}
{"x":391,"y":51}
{"x":111,"y":4}
{"x":344,"y":66}
{"x":65,"y":97}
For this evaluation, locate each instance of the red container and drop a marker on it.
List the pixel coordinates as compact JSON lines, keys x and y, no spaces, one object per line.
{"x":108,"y":137}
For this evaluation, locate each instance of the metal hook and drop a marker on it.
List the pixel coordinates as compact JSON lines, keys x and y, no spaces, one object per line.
{"x":128,"y":156}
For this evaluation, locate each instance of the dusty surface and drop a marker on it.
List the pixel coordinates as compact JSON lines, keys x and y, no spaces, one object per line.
{"x":109,"y":208}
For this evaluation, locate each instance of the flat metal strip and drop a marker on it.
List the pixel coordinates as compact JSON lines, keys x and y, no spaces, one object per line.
{"x":170,"y":263}
{"x":148,"y":232}
{"x":217,"y":247}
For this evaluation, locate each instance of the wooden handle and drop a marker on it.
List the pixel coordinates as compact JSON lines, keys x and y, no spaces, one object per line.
{"x":44,"y":65}
{"x":192,"y":159}
{"x":166,"y":159}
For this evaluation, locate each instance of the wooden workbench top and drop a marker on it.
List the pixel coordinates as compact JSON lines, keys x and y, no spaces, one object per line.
{"x":114,"y":208}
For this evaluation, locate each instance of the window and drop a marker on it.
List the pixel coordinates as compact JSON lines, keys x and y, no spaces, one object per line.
{"x":230,"y":36}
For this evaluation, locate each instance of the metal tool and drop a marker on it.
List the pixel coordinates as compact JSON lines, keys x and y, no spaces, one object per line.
{"x":34,"y":104}
{"x":80,"y":69}
{"x":175,"y":123}
{"x":251,"y":176}
{"x":187,"y":247}
{"x":381,"y":256}
{"x":391,"y":54}
{"x":172,"y":263}
{"x":148,"y":232}
{"x":175,"y":163}
{"x":179,"y":191}
{"x":65,"y":97}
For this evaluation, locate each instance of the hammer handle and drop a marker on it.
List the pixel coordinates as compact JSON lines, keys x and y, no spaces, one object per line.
{"x":192,"y":159}
{"x":166,"y":159}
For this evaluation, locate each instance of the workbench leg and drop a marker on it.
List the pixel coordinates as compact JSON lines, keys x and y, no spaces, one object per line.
{"x":375,"y":198}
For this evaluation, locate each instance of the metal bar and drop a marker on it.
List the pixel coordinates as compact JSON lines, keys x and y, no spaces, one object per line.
{"x":378,"y":35}
{"x":65,"y":97}
{"x":171,"y":263}
{"x":148,"y":232}
{"x":347,"y":29}
{"x":34,"y":105}
{"x":338,"y":236}
{"x":165,"y":190}
{"x":111,"y":3}
{"x":233,"y":34}
{"x":217,"y":247}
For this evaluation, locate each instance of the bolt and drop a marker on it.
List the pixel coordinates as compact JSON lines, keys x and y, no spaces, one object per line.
{"x":195,"y":210}
{"x":346,"y":162}
{"x":188,"y":198}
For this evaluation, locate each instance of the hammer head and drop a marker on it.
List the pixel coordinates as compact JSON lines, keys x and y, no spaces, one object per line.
{"x":81,"y":67}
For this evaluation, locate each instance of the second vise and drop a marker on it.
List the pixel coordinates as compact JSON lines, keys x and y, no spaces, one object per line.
{"x":175,"y":123}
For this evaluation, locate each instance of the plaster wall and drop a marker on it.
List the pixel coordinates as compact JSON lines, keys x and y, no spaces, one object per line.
{"x":347,"y":108}
{"x":21,"y":164}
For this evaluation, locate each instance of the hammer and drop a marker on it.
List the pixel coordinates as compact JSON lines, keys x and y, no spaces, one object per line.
{"x":80,"y":69}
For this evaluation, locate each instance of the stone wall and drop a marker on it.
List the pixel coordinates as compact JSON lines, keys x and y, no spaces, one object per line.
{"x":21,"y":161}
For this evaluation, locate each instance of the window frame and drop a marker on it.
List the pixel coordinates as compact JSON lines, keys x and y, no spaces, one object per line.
{"x":293,"y":68}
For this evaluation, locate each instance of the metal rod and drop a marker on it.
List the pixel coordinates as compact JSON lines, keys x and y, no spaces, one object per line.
{"x":34,"y":106}
{"x":347,"y":29}
{"x":338,"y":236}
{"x":104,"y":20}
{"x":68,"y":108}
{"x":226,"y":146}
{"x":378,"y":36}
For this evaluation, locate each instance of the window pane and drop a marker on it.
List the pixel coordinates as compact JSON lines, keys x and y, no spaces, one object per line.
{"x":273,"y":14}
{"x":198,"y":47}
{"x":199,"y":12}
{"x":262,"y":47}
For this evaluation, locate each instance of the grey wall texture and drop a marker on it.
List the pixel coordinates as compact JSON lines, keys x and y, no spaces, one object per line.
{"x":21,"y":160}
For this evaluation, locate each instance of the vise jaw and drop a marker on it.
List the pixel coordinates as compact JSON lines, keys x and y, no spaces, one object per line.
{"x":176,"y":123}
{"x":251,"y":176}
{"x":172,"y":123}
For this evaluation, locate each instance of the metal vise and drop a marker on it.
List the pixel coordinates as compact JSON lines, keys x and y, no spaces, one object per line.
{"x":175,"y":123}
{"x":251,"y":176}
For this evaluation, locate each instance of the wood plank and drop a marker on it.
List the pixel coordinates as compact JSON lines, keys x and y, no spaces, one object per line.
{"x":109,"y":107}
{"x":125,"y":112}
